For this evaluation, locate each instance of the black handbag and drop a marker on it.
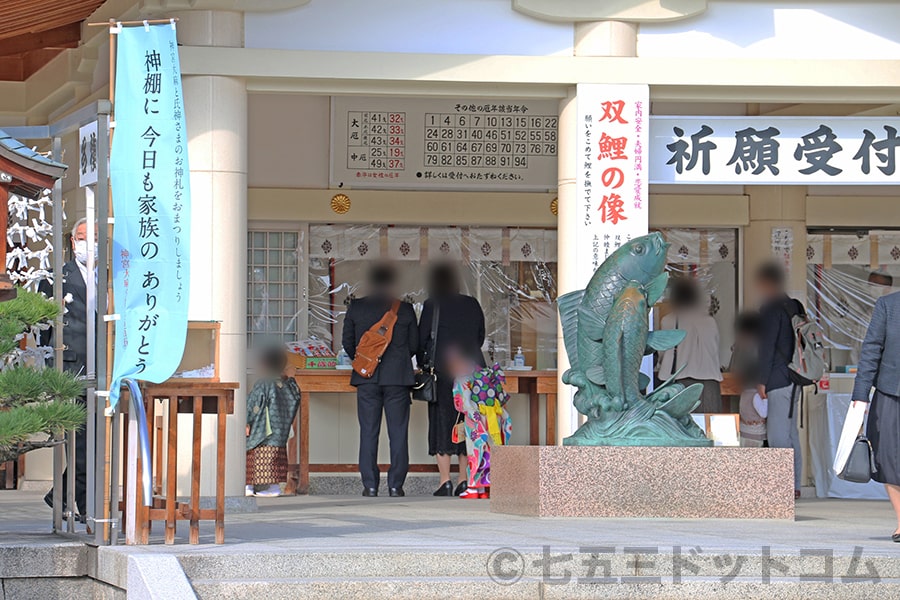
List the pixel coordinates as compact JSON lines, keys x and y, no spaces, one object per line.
{"x":861,"y":463}
{"x":425,"y":386}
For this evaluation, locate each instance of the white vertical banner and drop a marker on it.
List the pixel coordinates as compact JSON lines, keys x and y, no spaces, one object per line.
{"x":611,"y":173}
{"x":87,"y":154}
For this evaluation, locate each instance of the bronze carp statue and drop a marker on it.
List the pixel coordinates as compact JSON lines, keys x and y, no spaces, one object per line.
{"x":606,"y":334}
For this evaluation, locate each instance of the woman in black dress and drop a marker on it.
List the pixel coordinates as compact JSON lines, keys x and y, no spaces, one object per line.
{"x":461,"y":328}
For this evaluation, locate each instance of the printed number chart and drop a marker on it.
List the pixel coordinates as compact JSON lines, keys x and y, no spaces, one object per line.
{"x":444,"y":143}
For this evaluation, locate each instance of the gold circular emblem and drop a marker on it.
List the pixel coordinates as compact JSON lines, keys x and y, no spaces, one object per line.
{"x":340,"y":204}
{"x":554,"y":206}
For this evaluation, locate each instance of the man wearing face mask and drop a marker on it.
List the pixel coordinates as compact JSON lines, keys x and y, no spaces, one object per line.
{"x":74,"y":289}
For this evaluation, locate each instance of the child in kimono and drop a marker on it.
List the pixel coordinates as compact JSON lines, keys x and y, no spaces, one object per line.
{"x":479,"y":397}
{"x":271,"y":407}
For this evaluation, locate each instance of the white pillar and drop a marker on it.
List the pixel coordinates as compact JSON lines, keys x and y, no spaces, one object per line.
{"x":216,"y":114}
{"x":607,"y":38}
{"x":567,"y":272}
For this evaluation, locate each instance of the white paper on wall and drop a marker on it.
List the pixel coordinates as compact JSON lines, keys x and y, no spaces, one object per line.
{"x":486,"y":244}
{"x":684,"y":246}
{"x":815,"y":249}
{"x":444,"y":243}
{"x":888,"y":247}
{"x":850,"y":250}
{"x":326,"y":241}
{"x":404,"y":243}
{"x":526,"y":245}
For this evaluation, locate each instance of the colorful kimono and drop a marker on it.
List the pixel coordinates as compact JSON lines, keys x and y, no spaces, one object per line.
{"x":271,"y":407}
{"x":481,"y":398}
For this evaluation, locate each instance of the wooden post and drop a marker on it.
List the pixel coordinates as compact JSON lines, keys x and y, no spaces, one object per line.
{"x":7,"y":289}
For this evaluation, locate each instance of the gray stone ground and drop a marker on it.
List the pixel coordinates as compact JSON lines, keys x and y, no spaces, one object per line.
{"x":349,"y":546}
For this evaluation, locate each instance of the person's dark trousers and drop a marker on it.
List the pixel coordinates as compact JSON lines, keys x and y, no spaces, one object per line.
{"x":371,"y":401}
{"x":80,"y":470}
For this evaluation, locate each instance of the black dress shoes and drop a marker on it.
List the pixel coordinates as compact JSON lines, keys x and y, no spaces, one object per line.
{"x":370,"y":492}
{"x":446,"y":489}
{"x":397,"y":492}
{"x":463,"y":486}
{"x":48,"y":500}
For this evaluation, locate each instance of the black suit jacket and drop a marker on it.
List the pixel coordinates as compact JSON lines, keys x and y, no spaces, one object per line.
{"x":396,"y":364}
{"x":75,"y":320}
{"x":460,"y":326}
{"x":776,"y":347}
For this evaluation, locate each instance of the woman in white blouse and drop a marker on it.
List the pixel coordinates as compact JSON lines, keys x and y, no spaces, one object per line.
{"x":696,"y":359}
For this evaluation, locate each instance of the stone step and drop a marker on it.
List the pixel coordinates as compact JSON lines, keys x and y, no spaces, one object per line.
{"x":424,"y":588}
{"x":508,"y":564}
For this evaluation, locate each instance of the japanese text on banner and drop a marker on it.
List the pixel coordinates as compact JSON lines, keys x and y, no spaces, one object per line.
{"x":610,"y":175}
{"x":151,"y":203}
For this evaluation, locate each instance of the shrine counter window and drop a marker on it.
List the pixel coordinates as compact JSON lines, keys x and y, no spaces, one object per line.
{"x":710,"y":256}
{"x":512,"y":273}
{"x":846,"y":273}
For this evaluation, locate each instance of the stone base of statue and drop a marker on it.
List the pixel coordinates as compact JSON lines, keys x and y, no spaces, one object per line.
{"x":655,"y":482}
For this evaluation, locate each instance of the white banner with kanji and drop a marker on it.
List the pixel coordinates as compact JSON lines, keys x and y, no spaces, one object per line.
{"x":611,"y":163}
{"x":775,"y":150}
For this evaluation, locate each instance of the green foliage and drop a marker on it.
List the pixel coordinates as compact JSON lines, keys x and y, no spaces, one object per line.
{"x":53,"y":418}
{"x":29,"y":308}
{"x":36,"y":405}
{"x":21,"y":385}
{"x":9,"y":329}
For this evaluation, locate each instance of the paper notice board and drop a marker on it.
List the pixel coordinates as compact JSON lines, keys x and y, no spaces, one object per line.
{"x":444,"y":143}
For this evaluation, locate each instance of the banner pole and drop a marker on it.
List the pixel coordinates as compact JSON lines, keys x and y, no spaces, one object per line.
{"x":108,"y":510}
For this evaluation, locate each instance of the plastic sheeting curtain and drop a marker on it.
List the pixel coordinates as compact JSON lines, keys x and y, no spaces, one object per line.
{"x":710,"y":257}
{"x":511,"y":272}
{"x":845,"y":275}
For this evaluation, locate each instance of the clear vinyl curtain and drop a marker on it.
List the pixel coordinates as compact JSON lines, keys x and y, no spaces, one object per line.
{"x":511,"y":272}
{"x":709,"y":256}
{"x":845,"y":274}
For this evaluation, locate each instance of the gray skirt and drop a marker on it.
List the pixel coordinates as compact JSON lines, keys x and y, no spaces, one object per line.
{"x":710,"y":399}
{"x":883,"y":430}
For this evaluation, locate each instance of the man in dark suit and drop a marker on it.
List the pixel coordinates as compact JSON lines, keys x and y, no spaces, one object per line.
{"x":74,"y":274}
{"x":387,"y":391}
{"x":776,"y":347}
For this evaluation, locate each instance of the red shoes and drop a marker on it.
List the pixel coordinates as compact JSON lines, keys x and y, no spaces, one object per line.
{"x":476,"y":493}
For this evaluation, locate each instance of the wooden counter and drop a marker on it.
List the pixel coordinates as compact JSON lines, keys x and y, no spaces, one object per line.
{"x":326,"y":381}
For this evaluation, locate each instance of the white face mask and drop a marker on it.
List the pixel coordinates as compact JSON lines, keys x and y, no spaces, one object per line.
{"x":81,"y":251}
{"x":881,"y":290}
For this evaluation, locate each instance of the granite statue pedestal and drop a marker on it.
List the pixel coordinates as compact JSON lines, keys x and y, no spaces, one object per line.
{"x":654,"y":482}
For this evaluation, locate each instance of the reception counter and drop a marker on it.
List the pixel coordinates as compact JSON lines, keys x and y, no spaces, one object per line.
{"x":328,"y":384}
{"x":533,"y":384}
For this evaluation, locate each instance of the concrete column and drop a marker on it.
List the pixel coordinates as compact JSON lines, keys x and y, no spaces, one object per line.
{"x":566,"y":415}
{"x":770,"y":207}
{"x":216,"y":114}
{"x":606,"y":38}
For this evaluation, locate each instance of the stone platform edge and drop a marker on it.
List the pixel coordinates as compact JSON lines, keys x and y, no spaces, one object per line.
{"x":643,"y":482}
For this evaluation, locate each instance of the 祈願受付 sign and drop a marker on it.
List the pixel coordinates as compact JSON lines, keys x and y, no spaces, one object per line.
{"x":775,"y":150}
{"x":151,"y":203}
